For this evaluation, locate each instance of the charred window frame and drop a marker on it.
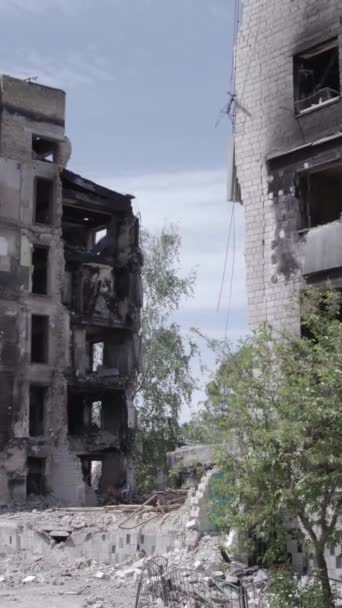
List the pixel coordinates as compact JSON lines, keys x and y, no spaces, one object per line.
{"x":318,"y":191}
{"x":316,"y":77}
{"x":40,"y":270}
{"x":35,"y":481}
{"x":37,"y":410}
{"x":39,"y":339}
{"x":43,"y":200}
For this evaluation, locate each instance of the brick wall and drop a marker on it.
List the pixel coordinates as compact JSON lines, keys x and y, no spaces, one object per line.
{"x":272,"y":32}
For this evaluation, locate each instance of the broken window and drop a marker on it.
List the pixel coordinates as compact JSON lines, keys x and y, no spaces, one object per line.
{"x":43,"y":200}
{"x":37,"y":410}
{"x":35,"y":480}
{"x":320,"y":197}
{"x":40,"y":256}
{"x":39,"y":338}
{"x":317,"y":76}
{"x":44,"y":149}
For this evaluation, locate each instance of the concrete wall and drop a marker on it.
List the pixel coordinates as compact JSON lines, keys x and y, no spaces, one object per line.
{"x":29,"y":111}
{"x":272,"y":32}
{"x":109,"y":545}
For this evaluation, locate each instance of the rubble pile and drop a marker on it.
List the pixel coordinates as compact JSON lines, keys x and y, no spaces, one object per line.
{"x":191,"y":577}
{"x":194,"y":566}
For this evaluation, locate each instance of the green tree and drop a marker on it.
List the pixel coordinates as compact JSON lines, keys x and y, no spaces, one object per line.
{"x":278,"y":410}
{"x":166,"y":383}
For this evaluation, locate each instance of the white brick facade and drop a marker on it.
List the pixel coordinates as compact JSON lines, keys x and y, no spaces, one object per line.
{"x":272,"y":32}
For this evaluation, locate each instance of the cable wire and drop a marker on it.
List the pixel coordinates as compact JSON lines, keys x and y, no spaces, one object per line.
{"x":225,"y":259}
{"x":231,"y":280}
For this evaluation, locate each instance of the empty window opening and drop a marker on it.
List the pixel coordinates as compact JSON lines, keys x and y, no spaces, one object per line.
{"x":109,"y":354}
{"x":97,"y":350}
{"x":96,"y":414}
{"x":43,"y":200}
{"x":114,"y":413}
{"x":39,"y":338}
{"x":35,"y":480}
{"x":317,"y":76}
{"x":37,"y":410}
{"x":320,"y":197}
{"x":40,"y":258}
{"x":44,"y":149}
{"x":78,"y":413}
{"x":106,"y":410}
{"x":92,"y":472}
{"x":122,"y":283}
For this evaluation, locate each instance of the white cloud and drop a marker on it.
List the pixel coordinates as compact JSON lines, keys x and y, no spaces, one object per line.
{"x":196,"y":202}
{"x":69,"y":71}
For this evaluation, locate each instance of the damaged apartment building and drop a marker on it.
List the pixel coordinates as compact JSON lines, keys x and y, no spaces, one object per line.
{"x":70,"y":300}
{"x":288,"y":152}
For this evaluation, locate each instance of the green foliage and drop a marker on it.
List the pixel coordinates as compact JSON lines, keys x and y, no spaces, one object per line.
{"x":219,"y":498}
{"x":201,"y":428}
{"x":175,"y":473}
{"x":166,"y":383}
{"x":283,"y":592}
{"x":286,"y":592}
{"x":277,"y":407}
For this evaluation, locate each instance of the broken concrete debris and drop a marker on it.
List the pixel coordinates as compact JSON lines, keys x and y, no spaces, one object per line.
{"x":70,"y":299}
{"x":103,"y":581}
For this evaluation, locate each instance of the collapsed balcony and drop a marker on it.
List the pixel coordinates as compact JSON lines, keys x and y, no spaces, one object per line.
{"x":97,"y":222}
{"x":102,"y":254}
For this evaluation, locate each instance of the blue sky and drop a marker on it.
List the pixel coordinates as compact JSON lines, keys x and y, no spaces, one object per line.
{"x":145,"y":80}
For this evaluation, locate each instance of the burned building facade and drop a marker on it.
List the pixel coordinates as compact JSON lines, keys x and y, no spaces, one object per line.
{"x":288,"y":151}
{"x":70,"y":299}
